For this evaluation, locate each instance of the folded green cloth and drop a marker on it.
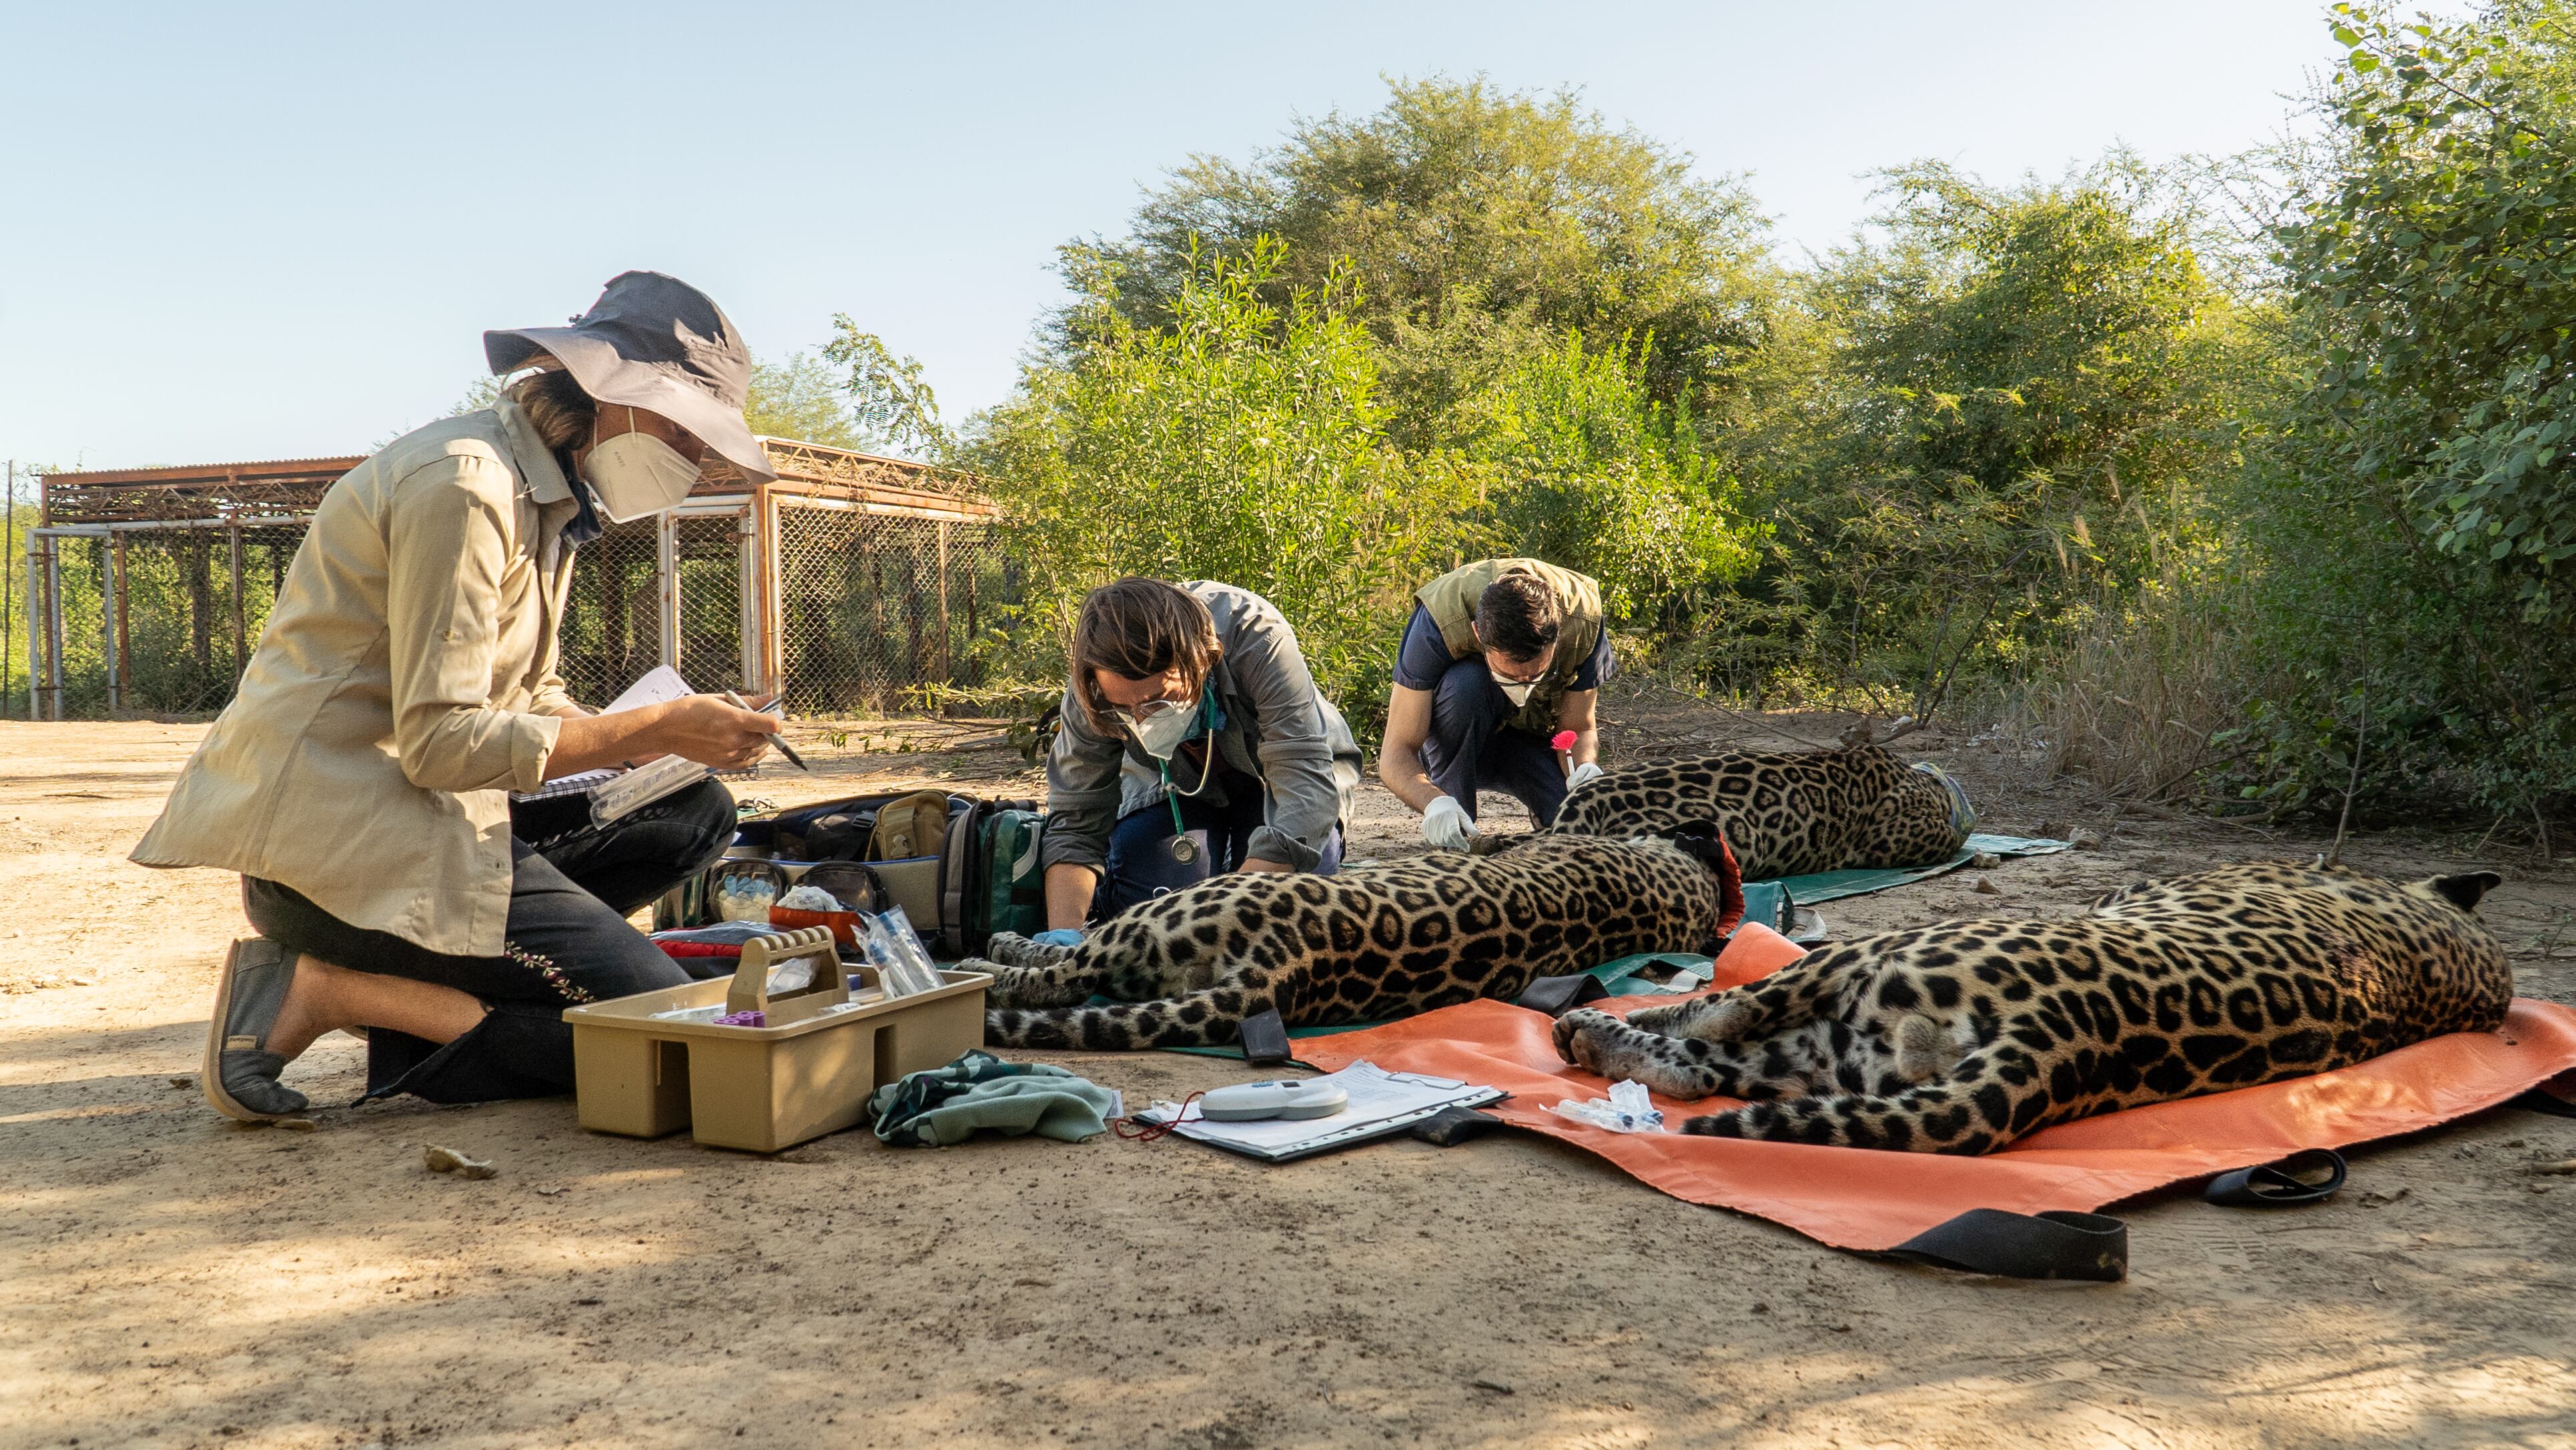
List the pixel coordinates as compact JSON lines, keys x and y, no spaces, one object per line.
{"x":950,"y":1104}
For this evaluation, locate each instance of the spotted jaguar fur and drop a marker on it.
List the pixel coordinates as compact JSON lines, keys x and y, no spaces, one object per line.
{"x":1382,"y":939}
{"x":1963,"y":1036}
{"x":1786,"y":814}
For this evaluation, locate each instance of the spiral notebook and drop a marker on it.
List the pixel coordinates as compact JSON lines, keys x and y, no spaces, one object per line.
{"x":615,"y":792}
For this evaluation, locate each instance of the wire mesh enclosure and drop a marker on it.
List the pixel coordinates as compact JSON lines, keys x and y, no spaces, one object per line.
{"x":707,"y":560}
{"x":611,"y":631}
{"x":156,"y":622}
{"x":878,"y":610}
{"x":853,"y":583}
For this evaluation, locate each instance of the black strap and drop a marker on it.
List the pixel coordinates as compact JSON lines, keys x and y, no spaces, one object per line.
{"x":2281,"y":1184}
{"x":1557,"y":996}
{"x":2052,"y":1245}
{"x":1453,"y":1125}
{"x":955,"y":877}
{"x":1265,"y":1037}
{"x":2542,"y":1100}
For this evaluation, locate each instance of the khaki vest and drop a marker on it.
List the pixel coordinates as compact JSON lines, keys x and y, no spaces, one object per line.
{"x":1451,"y":602}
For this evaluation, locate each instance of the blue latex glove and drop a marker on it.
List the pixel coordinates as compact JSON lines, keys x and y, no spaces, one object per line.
{"x":1063,"y":936}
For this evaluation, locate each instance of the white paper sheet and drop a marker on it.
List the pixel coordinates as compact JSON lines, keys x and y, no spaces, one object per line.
{"x":659,"y":684}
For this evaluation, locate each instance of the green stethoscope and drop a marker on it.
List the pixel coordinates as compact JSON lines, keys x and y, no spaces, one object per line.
{"x":1211,"y":720}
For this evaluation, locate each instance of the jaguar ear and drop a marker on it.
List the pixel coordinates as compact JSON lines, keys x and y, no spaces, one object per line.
{"x":2467,"y":890}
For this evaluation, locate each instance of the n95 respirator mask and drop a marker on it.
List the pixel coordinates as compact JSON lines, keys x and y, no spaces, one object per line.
{"x":635,"y":474}
{"x":1160,"y":734}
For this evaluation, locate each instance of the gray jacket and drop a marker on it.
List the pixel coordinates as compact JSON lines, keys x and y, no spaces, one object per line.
{"x":1279,"y":731}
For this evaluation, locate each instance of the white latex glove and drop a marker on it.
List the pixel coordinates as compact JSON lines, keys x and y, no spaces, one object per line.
{"x":1588,"y":770}
{"x":1446,"y":826}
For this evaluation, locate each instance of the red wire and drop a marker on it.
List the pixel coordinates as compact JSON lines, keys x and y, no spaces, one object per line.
{"x":1145,"y":1130}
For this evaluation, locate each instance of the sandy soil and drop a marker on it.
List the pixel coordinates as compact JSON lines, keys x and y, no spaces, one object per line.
{"x":173,"y":1280}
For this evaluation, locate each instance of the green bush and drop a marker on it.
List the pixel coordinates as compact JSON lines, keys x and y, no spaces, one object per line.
{"x":1590,"y":473}
{"x":1244,"y":441}
{"x":2013,"y":401}
{"x":2409,"y":524}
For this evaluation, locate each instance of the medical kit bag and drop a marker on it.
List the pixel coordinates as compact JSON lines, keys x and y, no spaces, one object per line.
{"x":961,"y":867}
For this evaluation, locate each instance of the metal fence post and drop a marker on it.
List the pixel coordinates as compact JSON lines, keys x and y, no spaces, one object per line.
{"x":773,"y":587}
{"x":53,"y":629}
{"x":35,"y":627}
{"x":112,"y":631}
{"x":241,"y":615}
{"x":747,"y":572}
{"x":947,"y":670}
{"x":666,"y":579}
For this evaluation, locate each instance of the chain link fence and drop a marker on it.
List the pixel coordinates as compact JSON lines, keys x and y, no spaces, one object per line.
{"x":882,"y":614}
{"x":877,"y":613}
{"x":161,"y":621}
{"x":707,"y":551}
{"x":611,"y":632}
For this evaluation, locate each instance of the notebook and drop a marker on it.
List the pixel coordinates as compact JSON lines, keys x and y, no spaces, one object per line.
{"x":614,"y":792}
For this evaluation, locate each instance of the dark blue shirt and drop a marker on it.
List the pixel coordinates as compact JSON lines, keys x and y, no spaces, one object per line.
{"x":1424,"y":657}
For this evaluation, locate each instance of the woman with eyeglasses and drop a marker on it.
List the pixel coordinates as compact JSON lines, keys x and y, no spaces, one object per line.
{"x":1193,"y":742}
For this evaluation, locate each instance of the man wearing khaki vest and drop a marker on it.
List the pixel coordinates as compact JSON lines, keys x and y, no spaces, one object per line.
{"x":1500,"y":656}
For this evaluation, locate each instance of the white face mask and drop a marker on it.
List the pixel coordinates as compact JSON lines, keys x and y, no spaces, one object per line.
{"x":1162,"y":732}
{"x":635,"y":474}
{"x":1516,"y":691}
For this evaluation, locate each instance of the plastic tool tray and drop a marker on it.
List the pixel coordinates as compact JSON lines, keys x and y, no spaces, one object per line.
{"x":643,"y":1073}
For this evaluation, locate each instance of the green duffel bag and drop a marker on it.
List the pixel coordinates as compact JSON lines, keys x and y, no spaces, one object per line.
{"x":987,"y":862}
{"x":1014,"y":885}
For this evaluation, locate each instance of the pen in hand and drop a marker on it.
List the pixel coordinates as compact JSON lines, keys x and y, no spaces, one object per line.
{"x":772,"y":707}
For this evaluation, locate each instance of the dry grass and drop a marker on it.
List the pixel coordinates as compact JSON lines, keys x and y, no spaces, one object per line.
{"x":2131,"y":702}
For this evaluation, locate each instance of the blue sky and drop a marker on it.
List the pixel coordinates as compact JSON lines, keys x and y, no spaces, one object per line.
{"x":253,"y":231}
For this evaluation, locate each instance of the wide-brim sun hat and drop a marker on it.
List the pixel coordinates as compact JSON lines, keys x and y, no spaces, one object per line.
{"x":656,"y":343}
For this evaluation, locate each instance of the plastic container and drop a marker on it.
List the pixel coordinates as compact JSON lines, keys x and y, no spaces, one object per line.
{"x":643,"y":1073}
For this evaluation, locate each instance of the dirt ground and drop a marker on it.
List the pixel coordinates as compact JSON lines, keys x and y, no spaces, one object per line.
{"x":174,"y":1280}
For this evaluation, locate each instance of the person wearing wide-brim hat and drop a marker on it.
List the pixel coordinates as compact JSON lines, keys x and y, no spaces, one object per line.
{"x":405,"y":686}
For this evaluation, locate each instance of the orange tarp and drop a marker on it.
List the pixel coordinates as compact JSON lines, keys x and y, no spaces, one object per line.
{"x":1850,"y":1198}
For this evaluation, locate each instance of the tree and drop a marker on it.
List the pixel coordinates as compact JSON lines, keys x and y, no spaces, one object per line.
{"x":2408,"y":532}
{"x":1242,"y":439}
{"x":801,"y":398}
{"x":888,"y":399}
{"x":2024,"y":390}
{"x":2431,"y":268}
{"x":1474,"y":228}
{"x":1588,"y":472}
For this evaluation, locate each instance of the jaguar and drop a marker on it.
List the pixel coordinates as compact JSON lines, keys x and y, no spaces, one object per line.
{"x":1786,"y":813}
{"x":1375,"y":940}
{"x":1963,"y":1036}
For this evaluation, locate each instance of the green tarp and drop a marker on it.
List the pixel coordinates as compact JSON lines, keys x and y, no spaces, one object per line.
{"x":1826,"y":885}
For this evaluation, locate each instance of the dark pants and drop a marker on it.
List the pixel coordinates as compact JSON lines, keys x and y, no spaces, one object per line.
{"x":1470,"y":749}
{"x":567,"y":942}
{"x":1140,"y":848}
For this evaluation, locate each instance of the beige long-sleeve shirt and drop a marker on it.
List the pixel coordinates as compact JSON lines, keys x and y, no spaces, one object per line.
{"x":404,"y":685}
